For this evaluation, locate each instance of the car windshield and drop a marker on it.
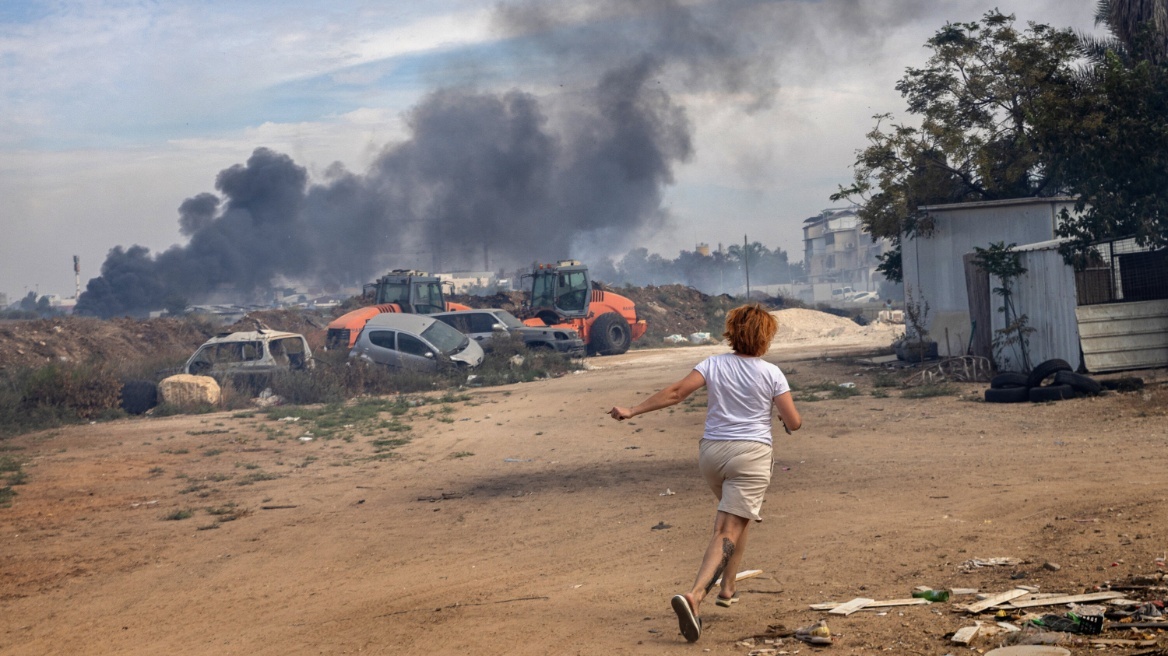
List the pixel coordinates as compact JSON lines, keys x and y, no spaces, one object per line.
{"x":444,"y":338}
{"x":508,"y":319}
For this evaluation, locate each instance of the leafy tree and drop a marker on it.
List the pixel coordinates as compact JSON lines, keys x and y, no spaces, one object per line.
{"x":1108,"y":133}
{"x":29,"y":303}
{"x":976,"y":99}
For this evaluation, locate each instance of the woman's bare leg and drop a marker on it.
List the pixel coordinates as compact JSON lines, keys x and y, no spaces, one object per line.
{"x":728,"y":532}
{"x":733,"y":566}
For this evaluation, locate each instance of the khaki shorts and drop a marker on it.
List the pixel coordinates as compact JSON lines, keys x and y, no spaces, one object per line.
{"x":738,"y":472}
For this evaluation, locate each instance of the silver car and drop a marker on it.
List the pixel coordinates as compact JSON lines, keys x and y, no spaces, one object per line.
{"x":484,"y":324}
{"x":415,"y":341}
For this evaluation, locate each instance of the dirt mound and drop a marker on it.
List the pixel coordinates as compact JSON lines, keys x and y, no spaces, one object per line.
{"x":82,"y":339}
{"x":799,"y":324}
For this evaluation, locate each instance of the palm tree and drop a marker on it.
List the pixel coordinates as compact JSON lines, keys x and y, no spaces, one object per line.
{"x":1139,"y":30}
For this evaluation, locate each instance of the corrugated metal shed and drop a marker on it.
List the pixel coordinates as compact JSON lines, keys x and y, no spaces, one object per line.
{"x":1119,"y":336}
{"x":933,"y":266}
{"x":1046,"y":295}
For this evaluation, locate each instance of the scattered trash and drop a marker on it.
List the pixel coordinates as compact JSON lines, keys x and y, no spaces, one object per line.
{"x":661,"y":526}
{"x":966,"y":634}
{"x":290,"y":419}
{"x":305,"y":438}
{"x":1071,"y":623}
{"x":931,"y":595}
{"x":518,"y":460}
{"x":699,"y":338}
{"x":674,"y":339}
{"x":977,"y":563}
{"x":848,"y":385}
{"x":517,"y":360}
{"x":667,"y":493}
{"x":816,"y":634}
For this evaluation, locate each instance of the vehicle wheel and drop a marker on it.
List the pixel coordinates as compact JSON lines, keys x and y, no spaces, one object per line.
{"x":1008,"y":380}
{"x":1051,"y":393}
{"x":610,"y":334}
{"x":1007,"y":395}
{"x":1080,"y":383}
{"x":1046,"y":370}
{"x":138,"y":396}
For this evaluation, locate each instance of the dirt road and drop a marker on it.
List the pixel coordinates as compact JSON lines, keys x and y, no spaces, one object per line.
{"x":521,"y":520}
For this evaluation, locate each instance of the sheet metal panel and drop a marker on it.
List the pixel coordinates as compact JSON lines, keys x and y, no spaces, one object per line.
{"x":1121,"y":336}
{"x":1046,"y":295}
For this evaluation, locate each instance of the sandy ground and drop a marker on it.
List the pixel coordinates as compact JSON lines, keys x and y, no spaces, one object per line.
{"x":521,"y":520}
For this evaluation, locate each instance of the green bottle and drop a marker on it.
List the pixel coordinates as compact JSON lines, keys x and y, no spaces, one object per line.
{"x":932,"y":595}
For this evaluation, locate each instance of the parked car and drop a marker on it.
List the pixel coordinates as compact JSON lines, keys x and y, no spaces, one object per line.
{"x":249,"y":353}
{"x":482,"y":325}
{"x":866,"y":297}
{"x":415,"y":341}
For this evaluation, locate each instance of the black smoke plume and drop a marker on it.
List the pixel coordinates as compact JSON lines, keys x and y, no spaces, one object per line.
{"x":498,"y":178}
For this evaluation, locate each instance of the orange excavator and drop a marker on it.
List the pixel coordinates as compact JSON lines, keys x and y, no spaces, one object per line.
{"x":562,"y":293}
{"x":401,"y":290}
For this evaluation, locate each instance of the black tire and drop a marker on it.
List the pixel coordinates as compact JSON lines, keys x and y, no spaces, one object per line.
{"x":138,"y":396}
{"x":1046,"y":370}
{"x":1010,"y":380}
{"x":1007,"y":395}
{"x":610,"y":335}
{"x":1080,"y":383}
{"x":1051,"y":393}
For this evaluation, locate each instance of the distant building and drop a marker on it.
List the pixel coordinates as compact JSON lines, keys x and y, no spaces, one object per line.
{"x":836,"y":250}
{"x":465,"y":282}
{"x":702,"y":249}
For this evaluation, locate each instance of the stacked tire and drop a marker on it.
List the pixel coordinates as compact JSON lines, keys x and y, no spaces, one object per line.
{"x":1063,"y":383}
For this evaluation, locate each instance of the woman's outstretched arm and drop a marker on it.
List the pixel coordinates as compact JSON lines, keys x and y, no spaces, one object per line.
{"x":787,"y":411}
{"x":672,"y":395}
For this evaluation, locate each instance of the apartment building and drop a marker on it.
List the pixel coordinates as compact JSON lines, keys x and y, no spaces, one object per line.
{"x":836,"y":250}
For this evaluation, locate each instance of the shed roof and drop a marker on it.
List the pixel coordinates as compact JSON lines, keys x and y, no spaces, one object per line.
{"x":1005,"y":202}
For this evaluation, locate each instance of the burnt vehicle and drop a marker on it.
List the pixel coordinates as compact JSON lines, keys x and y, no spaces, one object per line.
{"x":251,"y":353}
{"x":482,"y":325}
{"x":415,"y":341}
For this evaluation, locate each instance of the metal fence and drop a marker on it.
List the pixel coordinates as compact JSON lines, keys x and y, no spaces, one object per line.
{"x":1121,"y":271}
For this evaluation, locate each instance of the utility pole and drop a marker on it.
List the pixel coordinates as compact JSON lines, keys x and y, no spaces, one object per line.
{"x":746,"y":262}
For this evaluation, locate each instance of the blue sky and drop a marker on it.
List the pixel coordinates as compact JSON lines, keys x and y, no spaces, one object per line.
{"x":115,"y":111}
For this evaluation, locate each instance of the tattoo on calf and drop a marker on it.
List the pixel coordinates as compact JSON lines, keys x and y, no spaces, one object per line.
{"x":727,"y":551}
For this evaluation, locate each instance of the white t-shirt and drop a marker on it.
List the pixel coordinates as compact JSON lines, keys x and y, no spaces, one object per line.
{"x":741,"y":391}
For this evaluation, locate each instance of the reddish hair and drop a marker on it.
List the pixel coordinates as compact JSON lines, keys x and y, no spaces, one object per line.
{"x":750,"y":329}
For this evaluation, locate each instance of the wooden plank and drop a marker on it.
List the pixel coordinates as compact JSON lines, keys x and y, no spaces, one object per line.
{"x":1119,"y":642}
{"x":966,"y":634}
{"x":994,"y":600}
{"x":742,"y":576}
{"x":850,"y":607}
{"x":875,"y":604}
{"x":1066,"y":599}
{"x":979,"y":297}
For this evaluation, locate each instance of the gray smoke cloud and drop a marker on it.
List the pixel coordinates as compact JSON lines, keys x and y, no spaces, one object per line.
{"x":503,"y":178}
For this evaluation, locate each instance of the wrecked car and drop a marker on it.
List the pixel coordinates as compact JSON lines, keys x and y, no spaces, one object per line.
{"x":415,"y":341}
{"x":252,"y":352}
{"x":482,"y":325}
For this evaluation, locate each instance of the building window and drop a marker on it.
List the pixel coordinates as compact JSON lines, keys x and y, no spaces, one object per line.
{"x":829,"y":238}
